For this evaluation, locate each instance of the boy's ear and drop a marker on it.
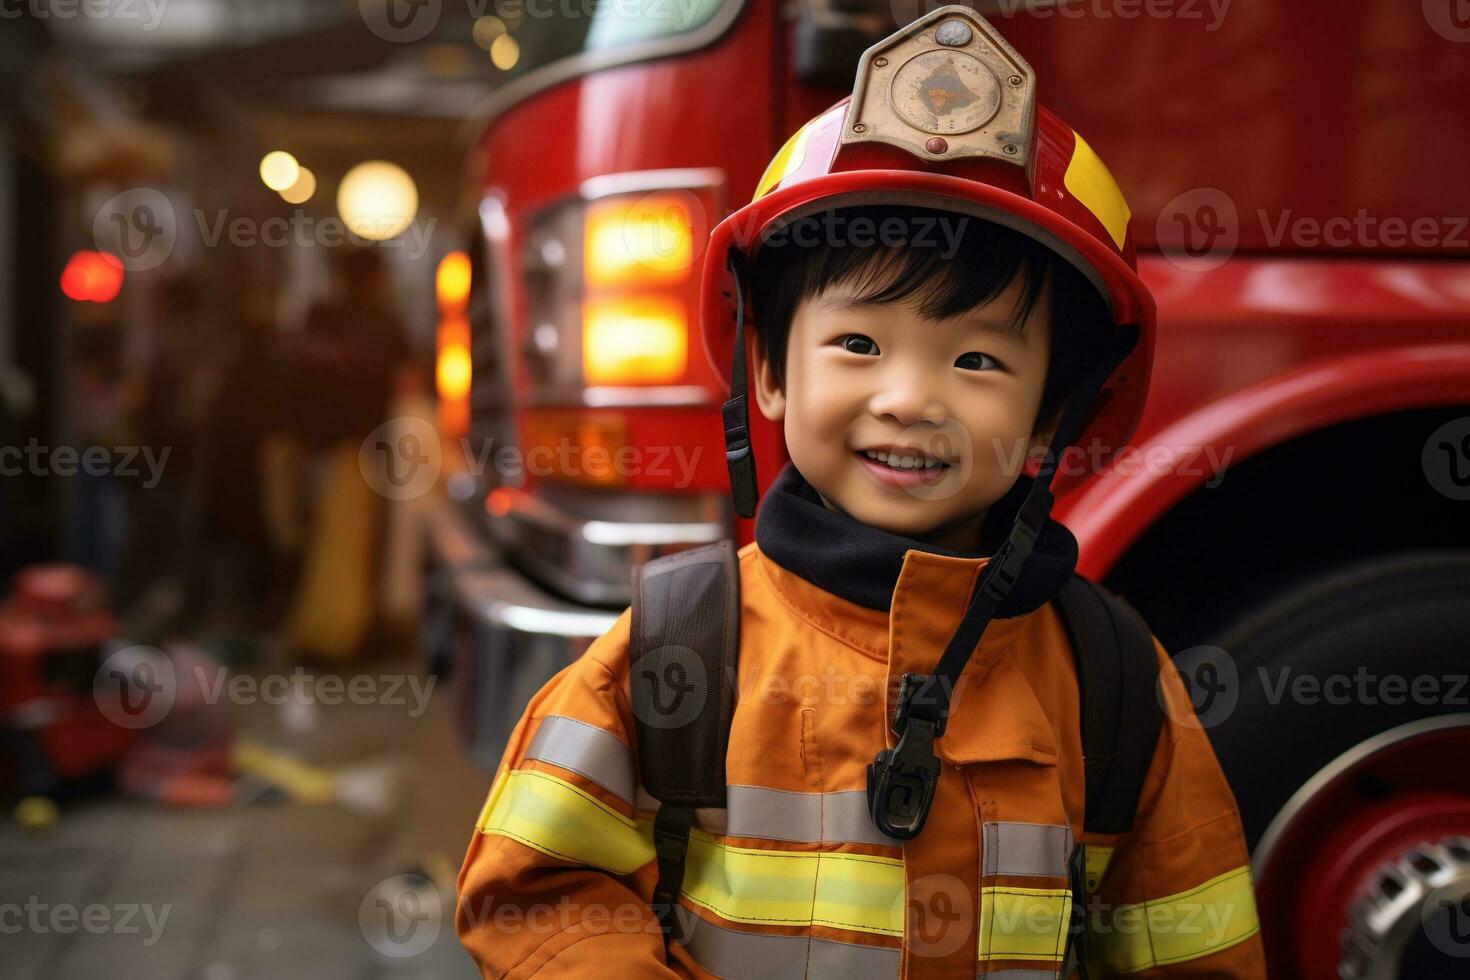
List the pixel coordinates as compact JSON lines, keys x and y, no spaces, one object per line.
{"x":768,"y":394}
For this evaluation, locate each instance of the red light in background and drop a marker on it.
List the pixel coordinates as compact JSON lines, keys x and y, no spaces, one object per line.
{"x":498,"y":502}
{"x":92,"y":277}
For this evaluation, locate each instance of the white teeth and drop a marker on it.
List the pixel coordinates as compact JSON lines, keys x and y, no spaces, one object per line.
{"x":903,"y":462}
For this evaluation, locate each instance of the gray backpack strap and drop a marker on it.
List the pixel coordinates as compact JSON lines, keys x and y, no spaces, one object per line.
{"x":684,"y":649}
{"x":1117,"y":688}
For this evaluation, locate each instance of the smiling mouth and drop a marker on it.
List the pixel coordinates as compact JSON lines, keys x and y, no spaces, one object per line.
{"x":901,"y":462}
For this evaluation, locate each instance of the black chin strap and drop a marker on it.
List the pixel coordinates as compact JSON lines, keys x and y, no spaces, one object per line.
{"x":738,"y":457}
{"x":901,"y":780}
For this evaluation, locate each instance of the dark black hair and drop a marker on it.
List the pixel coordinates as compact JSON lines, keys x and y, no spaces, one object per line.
{"x":944,"y":262}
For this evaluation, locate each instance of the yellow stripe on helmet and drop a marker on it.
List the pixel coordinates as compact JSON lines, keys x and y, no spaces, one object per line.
{"x":786,"y":160}
{"x":1088,"y":180}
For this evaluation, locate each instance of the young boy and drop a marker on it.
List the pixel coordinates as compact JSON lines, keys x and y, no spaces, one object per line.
{"x":942,"y":289}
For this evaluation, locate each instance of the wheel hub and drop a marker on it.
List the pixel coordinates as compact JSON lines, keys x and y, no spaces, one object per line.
{"x":1426,"y":890}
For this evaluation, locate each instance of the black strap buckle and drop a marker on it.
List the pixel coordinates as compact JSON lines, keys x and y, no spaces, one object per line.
{"x":902,"y":780}
{"x":1004,"y":568}
{"x":671,"y":842}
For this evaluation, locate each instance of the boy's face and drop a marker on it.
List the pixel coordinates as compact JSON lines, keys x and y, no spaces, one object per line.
{"x":963,"y":391}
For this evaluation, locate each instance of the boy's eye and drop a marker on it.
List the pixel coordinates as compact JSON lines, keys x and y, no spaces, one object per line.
{"x":976,"y":361}
{"x":856,"y":343}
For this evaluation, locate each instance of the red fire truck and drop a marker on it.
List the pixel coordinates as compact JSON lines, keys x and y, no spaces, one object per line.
{"x":1294,"y":523}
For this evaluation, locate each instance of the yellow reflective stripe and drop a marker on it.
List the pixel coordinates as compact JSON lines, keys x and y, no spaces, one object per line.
{"x":1204,"y":920}
{"x":786,"y":160}
{"x":742,"y":884}
{"x":1096,"y":864}
{"x":559,"y":819}
{"x":851,"y":891}
{"x":1088,"y":180}
{"x":1023,"y":923}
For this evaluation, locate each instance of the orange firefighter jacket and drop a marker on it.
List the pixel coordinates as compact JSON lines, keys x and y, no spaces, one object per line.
{"x":792,"y":879}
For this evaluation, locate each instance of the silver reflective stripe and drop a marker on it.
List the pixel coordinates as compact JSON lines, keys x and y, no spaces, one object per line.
{"x":737,"y":955}
{"x":845,"y":818}
{"x":826,"y":818}
{"x":586,"y":750}
{"x":1026,"y":849}
{"x":778,"y":814}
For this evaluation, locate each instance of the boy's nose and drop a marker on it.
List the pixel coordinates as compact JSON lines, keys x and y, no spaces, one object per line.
{"x":908,"y":400}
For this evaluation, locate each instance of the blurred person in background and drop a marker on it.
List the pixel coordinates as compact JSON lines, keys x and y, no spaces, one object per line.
{"x":346,"y":363}
{"x":231,"y":567}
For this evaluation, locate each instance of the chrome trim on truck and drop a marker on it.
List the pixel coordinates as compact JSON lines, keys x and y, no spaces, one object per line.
{"x":501,"y":636}
{"x":628,"y":396}
{"x":589,"y":558}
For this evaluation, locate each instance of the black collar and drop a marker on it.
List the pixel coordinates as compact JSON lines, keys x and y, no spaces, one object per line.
{"x":860,"y":563}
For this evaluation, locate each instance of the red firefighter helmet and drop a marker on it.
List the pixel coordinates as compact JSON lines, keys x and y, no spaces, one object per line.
{"x":944,"y":115}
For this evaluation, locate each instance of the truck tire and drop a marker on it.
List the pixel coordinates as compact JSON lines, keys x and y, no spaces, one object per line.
{"x":1346,"y":739}
{"x":1399,"y":616}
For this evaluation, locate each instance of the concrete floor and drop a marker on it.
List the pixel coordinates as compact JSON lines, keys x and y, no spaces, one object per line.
{"x":125,"y":888}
